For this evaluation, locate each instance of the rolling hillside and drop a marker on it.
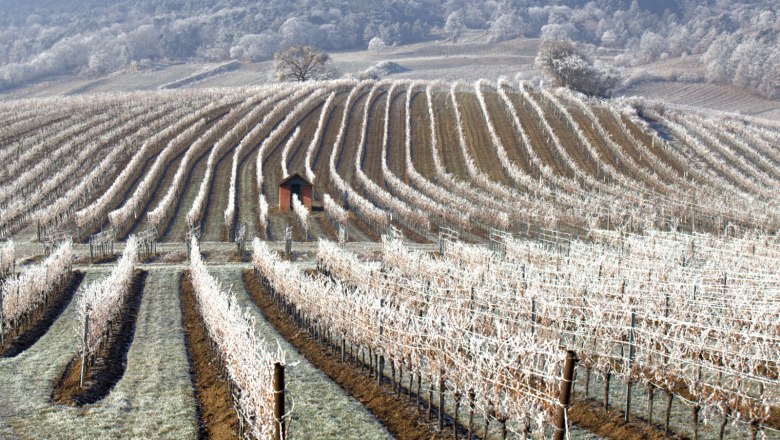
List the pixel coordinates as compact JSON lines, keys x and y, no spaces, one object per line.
{"x":421,"y":156}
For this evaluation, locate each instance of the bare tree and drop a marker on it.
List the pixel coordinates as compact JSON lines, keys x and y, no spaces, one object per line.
{"x":454,"y":26}
{"x":300,"y":63}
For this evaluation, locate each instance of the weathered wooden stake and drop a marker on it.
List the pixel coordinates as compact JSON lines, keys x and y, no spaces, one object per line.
{"x":631,"y":351}
{"x":457,"y":409}
{"x":471,"y":413}
{"x":722,"y":429}
{"x":565,"y":397}
{"x":754,"y":428}
{"x":441,"y":401}
{"x":669,"y":396}
{"x":419,"y":387}
{"x":84,"y":351}
{"x":379,"y":369}
{"x":400,"y":378}
{"x":527,"y":428}
{"x":278,"y":384}
{"x":430,"y":403}
{"x":411,"y":384}
{"x":650,"y":395}
{"x":487,"y":422}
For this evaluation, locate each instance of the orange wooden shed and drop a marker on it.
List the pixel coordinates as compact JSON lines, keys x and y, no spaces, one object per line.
{"x":295,"y":184}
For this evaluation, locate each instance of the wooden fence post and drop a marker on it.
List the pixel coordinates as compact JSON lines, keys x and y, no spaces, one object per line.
{"x":278,"y":387}
{"x":471,"y":413}
{"x":457,"y":410}
{"x":380,"y":368}
{"x":565,"y":396}
{"x":288,"y":241}
{"x":84,"y":352}
{"x":441,"y":401}
{"x":631,"y":351}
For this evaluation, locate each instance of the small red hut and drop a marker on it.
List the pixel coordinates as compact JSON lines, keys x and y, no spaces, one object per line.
{"x":295,"y":184}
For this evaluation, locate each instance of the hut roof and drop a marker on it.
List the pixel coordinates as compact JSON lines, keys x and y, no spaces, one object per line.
{"x":292,"y":177}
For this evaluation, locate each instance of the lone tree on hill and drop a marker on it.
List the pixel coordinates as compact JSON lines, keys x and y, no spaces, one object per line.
{"x":453,"y":27}
{"x":300,"y":63}
{"x":568,"y":67}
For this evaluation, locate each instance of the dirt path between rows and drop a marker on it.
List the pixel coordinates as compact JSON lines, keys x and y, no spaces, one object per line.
{"x":217,"y":418}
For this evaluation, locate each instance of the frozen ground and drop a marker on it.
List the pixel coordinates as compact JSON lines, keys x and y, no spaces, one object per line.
{"x":710,"y":96}
{"x":154,"y":398}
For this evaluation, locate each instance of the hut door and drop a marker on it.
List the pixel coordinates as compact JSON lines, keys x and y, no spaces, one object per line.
{"x":295,"y":189}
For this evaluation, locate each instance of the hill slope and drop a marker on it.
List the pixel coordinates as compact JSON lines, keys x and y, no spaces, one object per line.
{"x":421,"y":156}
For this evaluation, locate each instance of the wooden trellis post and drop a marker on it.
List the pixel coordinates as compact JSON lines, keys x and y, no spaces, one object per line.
{"x":631,"y":352}
{"x":342,"y":233}
{"x":194,"y":231}
{"x":565,"y":396}
{"x":240,"y":240}
{"x":288,"y":241}
{"x":441,"y":400}
{"x":279,"y":391}
{"x":84,"y":352}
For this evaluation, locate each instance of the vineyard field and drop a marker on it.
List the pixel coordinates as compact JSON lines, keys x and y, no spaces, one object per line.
{"x":539,"y":159}
{"x":456,"y":258}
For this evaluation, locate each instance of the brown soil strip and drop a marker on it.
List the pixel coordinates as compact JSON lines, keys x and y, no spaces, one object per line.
{"x":358,"y":230}
{"x":42,"y":319}
{"x":413,"y":235}
{"x":396,"y":141}
{"x":212,"y":224}
{"x":592,"y":416}
{"x":328,"y":230}
{"x":217,"y":418}
{"x":422,"y":153}
{"x":107,"y":259}
{"x":506,"y":130}
{"x":110,"y":364}
{"x":401,"y":418}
